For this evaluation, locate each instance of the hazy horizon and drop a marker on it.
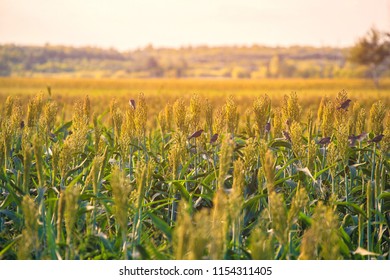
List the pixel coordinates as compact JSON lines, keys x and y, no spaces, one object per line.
{"x":129,"y":25}
{"x":172,"y":47}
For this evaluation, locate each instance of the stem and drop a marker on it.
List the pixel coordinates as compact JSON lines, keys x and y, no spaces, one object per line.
{"x":196,"y":160}
{"x":361,"y":231}
{"x":290,"y":243}
{"x":60,"y":215}
{"x":346,"y":187}
{"x":333,"y":185}
{"x":324,"y":160}
{"x":131,"y":163}
{"x":370,"y":191}
{"x":124,"y":242}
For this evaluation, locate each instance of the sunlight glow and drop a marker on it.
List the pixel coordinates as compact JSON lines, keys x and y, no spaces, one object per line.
{"x":129,"y":24}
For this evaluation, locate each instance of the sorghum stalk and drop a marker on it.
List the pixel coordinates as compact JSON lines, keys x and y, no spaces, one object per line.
{"x":30,"y":238}
{"x":27,"y":167}
{"x":236,"y":201}
{"x":37,"y":146}
{"x":120,"y":192}
{"x":369,"y":203}
{"x":72,"y":194}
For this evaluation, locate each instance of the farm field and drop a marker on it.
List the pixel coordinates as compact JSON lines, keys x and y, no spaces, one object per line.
{"x":163,"y":91}
{"x":194,"y":169}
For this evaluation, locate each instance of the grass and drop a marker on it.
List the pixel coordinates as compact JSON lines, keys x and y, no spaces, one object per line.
{"x":93,"y":178}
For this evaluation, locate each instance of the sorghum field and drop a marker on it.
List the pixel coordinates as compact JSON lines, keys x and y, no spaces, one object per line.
{"x":277,"y":169}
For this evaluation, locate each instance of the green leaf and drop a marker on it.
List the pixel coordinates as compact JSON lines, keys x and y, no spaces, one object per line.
{"x":186,"y":166}
{"x":283,"y":180}
{"x":384,"y":195}
{"x":105,"y":242}
{"x":181,"y":189}
{"x":344,"y":248}
{"x":304,"y":218}
{"x":51,"y":239}
{"x":285,"y":166}
{"x":9,"y":246}
{"x":15,"y":217}
{"x":7,"y":201}
{"x":352,"y":207}
{"x":143,"y":252}
{"x":161,"y":225}
{"x":253,"y":200}
{"x":63,"y":128}
{"x":75,"y":180}
{"x":345,"y":236}
{"x":209,"y":178}
{"x":319,"y":173}
{"x":280,"y":143}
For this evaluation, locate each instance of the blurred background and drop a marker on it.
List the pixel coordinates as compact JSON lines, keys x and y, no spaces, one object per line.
{"x":195,"y":39}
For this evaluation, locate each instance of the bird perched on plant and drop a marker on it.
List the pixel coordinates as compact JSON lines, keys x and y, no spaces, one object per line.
{"x":361,"y":136}
{"x":267,"y":128}
{"x":324,"y":141}
{"x":288,"y":123}
{"x":286,"y":135}
{"x":52,"y":136}
{"x":345,"y":104}
{"x":352,"y":140}
{"x":376,"y":139}
{"x":214,"y":138}
{"x":196,"y":134}
{"x":132,"y":103}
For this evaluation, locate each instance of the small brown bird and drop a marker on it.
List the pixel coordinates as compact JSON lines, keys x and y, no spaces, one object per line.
{"x":267,"y":128}
{"x":345,"y":104}
{"x":22,"y":124}
{"x":196,"y":134}
{"x":288,"y":122}
{"x":286,"y":135}
{"x":352,"y":140}
{"x":52,"y":136}
{"x":324,"y":141}
{"x":214,"y":138}
{"x":376,"y":139}
{"x":361,"y":136}
{"x":132,"y":103}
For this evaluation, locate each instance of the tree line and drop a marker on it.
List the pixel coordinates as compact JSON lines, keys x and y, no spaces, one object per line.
{"x":367,"y":59}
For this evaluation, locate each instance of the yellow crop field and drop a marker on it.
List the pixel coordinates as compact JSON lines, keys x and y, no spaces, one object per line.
{"x":194,"y":169}
{"x":163,"y":91}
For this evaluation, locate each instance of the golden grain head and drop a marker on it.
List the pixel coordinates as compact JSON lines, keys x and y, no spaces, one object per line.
{"x":231,"y":114}
{"x":377,"y":115}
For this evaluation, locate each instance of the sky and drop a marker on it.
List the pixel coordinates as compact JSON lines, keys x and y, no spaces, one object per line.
{"x":132,"y":24}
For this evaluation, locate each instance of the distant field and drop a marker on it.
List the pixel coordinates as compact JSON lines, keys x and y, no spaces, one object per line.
{"x":157,"y":91}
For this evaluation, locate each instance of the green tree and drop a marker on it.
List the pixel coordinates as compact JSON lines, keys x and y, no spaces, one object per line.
{"x":5,"y":69}
{"x":373,"y":51}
